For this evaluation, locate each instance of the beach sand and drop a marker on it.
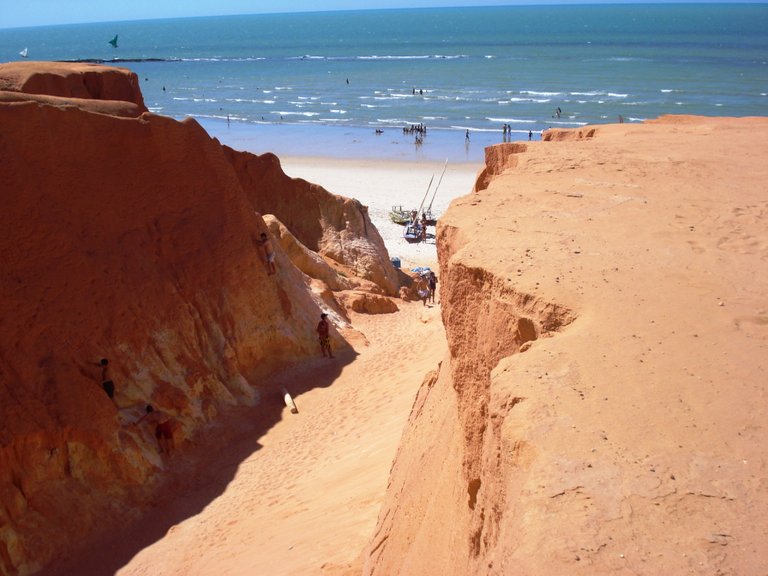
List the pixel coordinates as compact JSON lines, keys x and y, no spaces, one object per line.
{"x":381,"y":185}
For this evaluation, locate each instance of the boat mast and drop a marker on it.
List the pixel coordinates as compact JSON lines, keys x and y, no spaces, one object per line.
{"x":438,"y":186}
{"x":425,"y":196}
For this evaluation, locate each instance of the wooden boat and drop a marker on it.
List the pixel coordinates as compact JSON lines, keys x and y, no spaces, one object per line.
{"x":412,"y":232}
{"x":404,"y":217}
{"x":400,"y":216}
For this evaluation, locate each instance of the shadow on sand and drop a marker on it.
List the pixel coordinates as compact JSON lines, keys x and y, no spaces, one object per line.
{"x":200,"y":472}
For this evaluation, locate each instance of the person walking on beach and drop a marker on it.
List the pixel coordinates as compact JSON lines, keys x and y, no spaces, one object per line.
{"x":466,"y":136}
{"x":163,"y":428}
{"x":323,"y":333}
{"x":422,"y":289}
{"x":530,"y":135}
{"x":268,"y":253}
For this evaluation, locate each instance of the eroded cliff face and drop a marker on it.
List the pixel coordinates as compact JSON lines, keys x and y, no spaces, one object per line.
{"x":135,"y":240}
{"x":587,"y":419}
{"x":81,"y":83}
{"x":335,"y":227}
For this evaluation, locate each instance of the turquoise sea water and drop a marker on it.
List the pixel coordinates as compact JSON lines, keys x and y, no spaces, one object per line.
{"x":322,"y":83}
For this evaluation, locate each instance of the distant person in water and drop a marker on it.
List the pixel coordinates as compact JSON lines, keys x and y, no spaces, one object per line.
{"x":106,"y":380}
{"x":268,"y":253}
{"x":530,"y":135}
{"x":163,"y":428}
{"x":323,"y":333}
{"x":466,"y":135}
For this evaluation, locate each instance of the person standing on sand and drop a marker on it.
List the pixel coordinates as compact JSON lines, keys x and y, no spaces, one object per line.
{"x":323,"y":333}
{"x":432,"y":285}
{"x":268,"y":253}
{"x":163,"y":428}
{"x":422,"y":289}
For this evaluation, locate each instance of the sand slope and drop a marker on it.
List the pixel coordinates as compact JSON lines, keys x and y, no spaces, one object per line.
{"x":302,"y":498}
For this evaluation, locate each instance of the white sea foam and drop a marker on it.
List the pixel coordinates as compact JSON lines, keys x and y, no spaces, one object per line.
{"x":562,"y":123}
{"x":413,"y":57}
{"x":209,"y":100}
{"x":524,"y":100}
{"x":396,"y":121}
{"x":510,"y":120}
{"x":307,"y":114}
{"x":471,"y":129}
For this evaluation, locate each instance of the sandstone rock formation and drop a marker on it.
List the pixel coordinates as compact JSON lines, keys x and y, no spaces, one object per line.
{"x":332,"y":226}
{"x":135,"y":239}
{"x":78,"y":81}
{"x":602,"y":408}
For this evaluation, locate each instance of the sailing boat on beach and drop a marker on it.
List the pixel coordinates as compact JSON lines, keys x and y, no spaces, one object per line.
{"x":24,"y":53}
{"x":398,"y":215}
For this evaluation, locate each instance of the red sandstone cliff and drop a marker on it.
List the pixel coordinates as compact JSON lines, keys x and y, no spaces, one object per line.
{"x":602,"y":407}
{"x":133,"y":239}
{"x":79,"y":82}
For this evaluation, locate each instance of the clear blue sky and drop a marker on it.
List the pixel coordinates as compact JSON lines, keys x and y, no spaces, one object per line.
{"x":20,"y":13}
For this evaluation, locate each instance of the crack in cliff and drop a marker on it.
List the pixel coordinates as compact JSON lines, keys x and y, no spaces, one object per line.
{"x":487,"y":319}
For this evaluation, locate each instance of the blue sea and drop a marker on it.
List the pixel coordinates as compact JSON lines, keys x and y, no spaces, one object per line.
{"x":322,"y":84}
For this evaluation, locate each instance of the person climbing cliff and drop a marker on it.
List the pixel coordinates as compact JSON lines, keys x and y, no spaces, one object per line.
{"x":106,"y":381}
{"x":164,"y":426}
{"x":268,"y":253}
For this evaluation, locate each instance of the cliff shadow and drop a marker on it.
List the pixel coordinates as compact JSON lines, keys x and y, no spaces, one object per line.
{"x":200,"y":472}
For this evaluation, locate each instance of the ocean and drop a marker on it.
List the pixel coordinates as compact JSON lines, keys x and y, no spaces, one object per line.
{"x":324,"y":83}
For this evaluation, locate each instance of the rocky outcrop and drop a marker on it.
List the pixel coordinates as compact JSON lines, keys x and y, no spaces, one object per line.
{"x":334,"y":227}
{"x":587,"y":419}
{"x":135,"y":240}
{"x":80,"y":81}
